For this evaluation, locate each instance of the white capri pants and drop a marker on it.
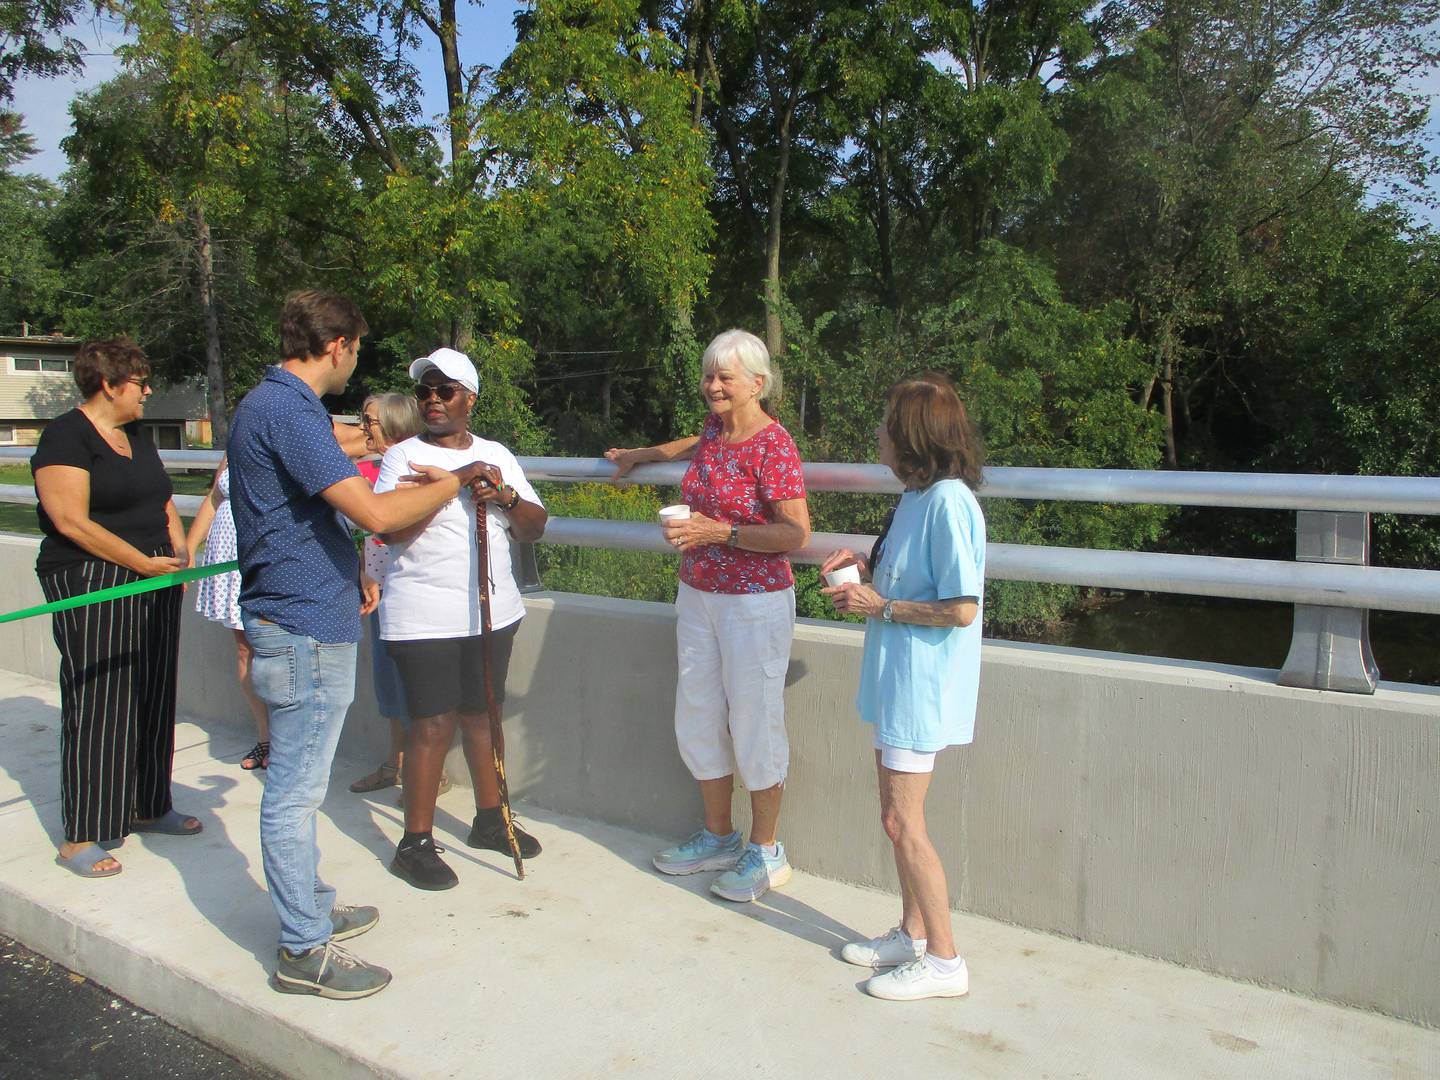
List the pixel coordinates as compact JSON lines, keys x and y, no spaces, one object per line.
{"x":730,"y":694}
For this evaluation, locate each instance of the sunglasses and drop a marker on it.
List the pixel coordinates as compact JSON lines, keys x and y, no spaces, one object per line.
{"x":143,"y":384}
{"x":368,"y":422}
{"x":445,"y":392}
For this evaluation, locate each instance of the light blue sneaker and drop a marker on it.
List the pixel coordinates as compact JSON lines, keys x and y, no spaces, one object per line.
{"x":703,"y":851}
{"x":754,"y":875}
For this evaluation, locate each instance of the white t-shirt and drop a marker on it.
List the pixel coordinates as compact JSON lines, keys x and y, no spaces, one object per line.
{"x":432,"y":589}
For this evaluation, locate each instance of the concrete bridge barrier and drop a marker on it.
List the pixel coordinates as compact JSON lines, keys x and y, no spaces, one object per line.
{"x":1198,"y":814}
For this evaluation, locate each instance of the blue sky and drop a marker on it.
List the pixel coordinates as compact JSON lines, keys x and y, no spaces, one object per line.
{"x":486,"y":36}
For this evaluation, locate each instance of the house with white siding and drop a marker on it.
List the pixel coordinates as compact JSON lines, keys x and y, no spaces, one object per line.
{"x":37,"y":385}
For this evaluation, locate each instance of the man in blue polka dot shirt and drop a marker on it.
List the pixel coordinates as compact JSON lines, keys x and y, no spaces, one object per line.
{"x":300,"y":603}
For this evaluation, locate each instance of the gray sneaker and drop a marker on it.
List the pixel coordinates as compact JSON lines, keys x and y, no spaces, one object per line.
{"x":329,"y":972}
{"x":347,"y":921}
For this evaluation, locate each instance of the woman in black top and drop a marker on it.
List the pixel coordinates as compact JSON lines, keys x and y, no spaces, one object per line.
{"x":108,"y":519}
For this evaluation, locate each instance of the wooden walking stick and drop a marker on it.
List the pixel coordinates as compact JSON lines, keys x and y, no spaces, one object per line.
{"x":497,"y":734}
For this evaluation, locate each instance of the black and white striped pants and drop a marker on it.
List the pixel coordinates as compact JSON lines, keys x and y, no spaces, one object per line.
{"x":117,"y":700}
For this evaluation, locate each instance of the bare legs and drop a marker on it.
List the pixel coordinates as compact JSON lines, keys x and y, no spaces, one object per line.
{"x":925,"y":902}
{"x":764,"y":809}
{"x":716,"y":796}
{"x":426,"y":745}
{"x":475,"y":739}
{"x":244,"y":654}
{"x":397,"y":743}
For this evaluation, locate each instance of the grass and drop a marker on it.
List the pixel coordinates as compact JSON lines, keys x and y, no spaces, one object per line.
{"x":17,"y":518}
{"x":186,"y":483}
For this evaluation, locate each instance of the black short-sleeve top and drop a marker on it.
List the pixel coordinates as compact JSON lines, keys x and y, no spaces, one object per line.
{"x":127,"y":495}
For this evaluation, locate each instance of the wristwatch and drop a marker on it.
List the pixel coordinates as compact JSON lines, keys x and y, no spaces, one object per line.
{"x":514,"y":500}
{"x":734,"y":540}
{"x":888,"y":611}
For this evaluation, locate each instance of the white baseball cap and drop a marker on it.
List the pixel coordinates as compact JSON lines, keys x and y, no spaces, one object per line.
{"x":449,"y":362}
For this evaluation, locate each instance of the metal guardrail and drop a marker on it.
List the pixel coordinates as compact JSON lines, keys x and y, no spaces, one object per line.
{"x":1262,"y":491}
{"x":1193,"y":575}
{"x":1257,"y":491}
{"x":1331,"y":583}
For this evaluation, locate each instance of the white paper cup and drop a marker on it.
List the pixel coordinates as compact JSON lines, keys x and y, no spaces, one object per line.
{"x":843,"y":574}
{"x":678,"y":512}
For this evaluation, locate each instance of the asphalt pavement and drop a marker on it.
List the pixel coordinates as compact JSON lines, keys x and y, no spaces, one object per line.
{"x":56,"y":1025}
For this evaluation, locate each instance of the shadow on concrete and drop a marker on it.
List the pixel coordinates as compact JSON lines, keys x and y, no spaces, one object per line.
{"x":450,"y":831}
{"x":38,"y":775}
{"x":216,"y":876}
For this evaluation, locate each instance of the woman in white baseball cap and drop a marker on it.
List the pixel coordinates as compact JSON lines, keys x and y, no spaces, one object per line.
{"x":430,"y":617}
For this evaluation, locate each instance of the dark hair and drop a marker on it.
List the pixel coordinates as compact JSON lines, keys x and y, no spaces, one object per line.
{"x":931,"y":433}
{"x":113,"y":360}
{"x":313,"y":318}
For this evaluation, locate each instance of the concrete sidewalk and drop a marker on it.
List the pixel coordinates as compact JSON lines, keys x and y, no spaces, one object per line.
{"x":595,"y":965}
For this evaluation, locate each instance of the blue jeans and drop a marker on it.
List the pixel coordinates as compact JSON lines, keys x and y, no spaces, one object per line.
{"x":389,"y":692}
{"x":306,"y":686}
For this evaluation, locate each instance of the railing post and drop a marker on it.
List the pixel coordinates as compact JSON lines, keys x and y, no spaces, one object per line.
{"x":523,"y":566}
{"x":1330,"y":646}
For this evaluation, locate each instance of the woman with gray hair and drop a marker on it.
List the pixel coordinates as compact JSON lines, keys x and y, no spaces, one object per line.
{"x":735,"y":612}
{"x":385,"y":419}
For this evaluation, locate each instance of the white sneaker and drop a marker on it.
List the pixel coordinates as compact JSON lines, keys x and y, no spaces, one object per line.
{"x":916,"y":980}
{"x":887,"y":951}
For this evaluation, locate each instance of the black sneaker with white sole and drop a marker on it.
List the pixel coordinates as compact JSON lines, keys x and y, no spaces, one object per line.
{"x":490,"y":835}
{"x":418,"y":863}
{"x":328,"y":971}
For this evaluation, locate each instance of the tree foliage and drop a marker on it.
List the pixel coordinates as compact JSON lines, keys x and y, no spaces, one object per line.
{"x":1138,"y":234}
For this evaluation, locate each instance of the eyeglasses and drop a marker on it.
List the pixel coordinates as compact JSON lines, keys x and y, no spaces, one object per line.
{"x":143,"y":384}
{"x":368,"y":422}
{"x":445,"y":392}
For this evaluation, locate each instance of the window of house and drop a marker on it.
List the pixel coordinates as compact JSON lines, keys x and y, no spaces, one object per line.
{"x":57,"y":365}
{"x":167,"y":436}
{"x":7,"y":434}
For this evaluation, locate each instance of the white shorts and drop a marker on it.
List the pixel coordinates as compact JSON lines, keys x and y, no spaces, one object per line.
{"x":899,"y":759}
{"x":730,"y":693}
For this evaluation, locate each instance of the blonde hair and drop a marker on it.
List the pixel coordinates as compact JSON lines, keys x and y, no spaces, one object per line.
{"x":399,"y":416}
{"x":748,"y":352}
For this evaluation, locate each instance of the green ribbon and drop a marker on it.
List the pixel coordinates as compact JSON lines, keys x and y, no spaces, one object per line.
{"x":144,"y":585}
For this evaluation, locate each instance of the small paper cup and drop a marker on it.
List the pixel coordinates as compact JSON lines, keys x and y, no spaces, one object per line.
{"x":678,"y":512}
{"x":842,"y":575}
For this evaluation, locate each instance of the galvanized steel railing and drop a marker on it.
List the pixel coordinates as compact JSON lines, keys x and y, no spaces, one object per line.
{"x":1330,"y":582}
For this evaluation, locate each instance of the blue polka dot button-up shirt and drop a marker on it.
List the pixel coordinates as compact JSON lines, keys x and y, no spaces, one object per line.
{"x":298,"y":566}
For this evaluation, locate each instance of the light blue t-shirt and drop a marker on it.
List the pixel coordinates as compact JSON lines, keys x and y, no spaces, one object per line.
{"x":920,"y":683}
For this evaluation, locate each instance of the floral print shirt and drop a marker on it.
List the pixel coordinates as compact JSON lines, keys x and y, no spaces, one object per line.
{"x":739,"y":483}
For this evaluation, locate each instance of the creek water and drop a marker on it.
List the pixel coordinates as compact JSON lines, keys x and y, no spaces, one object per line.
{"x":1250,"y":633}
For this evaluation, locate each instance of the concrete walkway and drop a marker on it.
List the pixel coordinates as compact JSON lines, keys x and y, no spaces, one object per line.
{"x":597,"y":966}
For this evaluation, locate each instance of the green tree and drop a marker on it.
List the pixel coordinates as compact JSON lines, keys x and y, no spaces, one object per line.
{"x":605,"y":185}
{"x":1200,"y":141}
{"x":764,"y":75}
{"x":1049,"y":384}
{"x":33,"y":41}
{"x":181,"y":211}
{"x":30,"y":275}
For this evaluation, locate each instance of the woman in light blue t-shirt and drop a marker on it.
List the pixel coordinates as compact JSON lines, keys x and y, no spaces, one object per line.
{"x":921,"y":668}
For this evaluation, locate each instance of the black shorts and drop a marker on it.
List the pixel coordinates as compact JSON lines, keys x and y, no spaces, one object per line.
{"x":442,"y":675}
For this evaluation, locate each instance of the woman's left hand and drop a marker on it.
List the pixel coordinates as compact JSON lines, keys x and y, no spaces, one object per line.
{"x":695,"y":531}
{"x":369,"y":593}
{"x":853,"y":599}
